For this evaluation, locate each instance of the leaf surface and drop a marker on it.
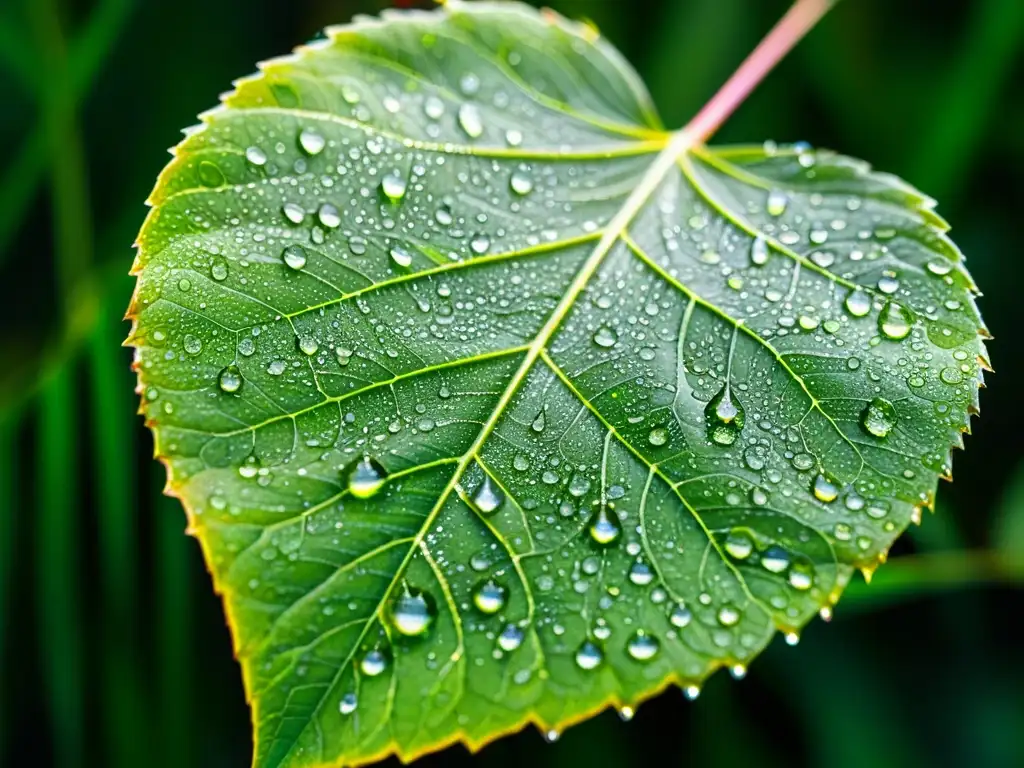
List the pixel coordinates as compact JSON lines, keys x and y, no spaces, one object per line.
{"x":491,"y":402}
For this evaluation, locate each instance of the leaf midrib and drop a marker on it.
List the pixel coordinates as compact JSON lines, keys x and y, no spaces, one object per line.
{"x":664,"y":162}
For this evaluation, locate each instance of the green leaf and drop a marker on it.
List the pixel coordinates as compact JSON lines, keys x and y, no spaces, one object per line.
{"x":491,"y":402}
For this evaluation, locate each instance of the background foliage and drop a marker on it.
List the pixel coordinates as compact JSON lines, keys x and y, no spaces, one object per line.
{"x":113,"y":650}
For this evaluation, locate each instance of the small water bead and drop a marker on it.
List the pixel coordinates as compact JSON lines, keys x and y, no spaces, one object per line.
{"x":588,"y":656}
{"x":641,"y":574}
{"x":691,"y":692}
{"x":520,"y":183}
{"x":879,"y":417}
{"x":413,"y":612}
{"x":513,"y":137}
{"x":294,"y":256}
{"x":777,"y":202}
{"x":511,"y":637}
{"x":357,"y":245}
{"x":373,"y":663}
{"x":940,"y":268}
{"x":276,"y":367}
{"x":823,"y":259}
{"x":894,"y":322}
{"x":329,"y":216}
{"x":888,"y":284}
{"x":488,"y":497}
{"x":307,"y":345}
{"x":366,"y":478}
{"x":738,"y":671}
{"x":824,"y":489}
{"x":193,"y":344}
{"x":642,"y":646}
{"x":393,"y":186}
{"x":759,"y":251}
{"x":256,"y":156}
{"x":219,"y":270}
{"x":539,"y":422}
{"x":470,"y":120}
{"x":728,"y":615}
{"x":680,"y":616}
{"x":246,"y":346}
{"x":489,"y":597}
{"x":626,"y":714}
{"x":775,"y":559}
{"x":312,"y":143}
{"x":344,"y":355}
{"x":293,"y":213}
{"x":739,"y":544}
{"x":658,"y":436}
{"x":230,"y":379}
{"x":858,"y":303}
{"x":480,"y":245}
{"x":348,"y":704}
{"x":605,"y":526}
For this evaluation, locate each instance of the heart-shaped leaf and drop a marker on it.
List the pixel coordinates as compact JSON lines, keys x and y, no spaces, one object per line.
{"x":491,"y":402}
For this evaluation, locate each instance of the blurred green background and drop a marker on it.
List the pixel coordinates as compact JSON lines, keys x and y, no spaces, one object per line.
{"x":113,"y":648}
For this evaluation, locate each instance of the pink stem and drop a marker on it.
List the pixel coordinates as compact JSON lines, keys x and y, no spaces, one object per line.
{"x":797,"y":22}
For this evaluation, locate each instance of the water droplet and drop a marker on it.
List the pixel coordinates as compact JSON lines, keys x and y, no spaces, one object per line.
{"x":374,"y":662}
{"x":413,"y":612}
{"x":888,"y":284}
{"x":588,"y":656}
{"x":940,"y":267}
{"x":879,"y":417}
{"x":256,"y":156}
{"x":658,"y":436}
{"x":400,"y":256}
{"x":433,"y":108}
{"x":488,"y":497}
{"x":513,"y":137}
{"x":605,"y":527}
{"x":393,"y":186}
{"x":219,"y":270}
{"x":348,"y":704}
{"x":489,"y":597}
{"x":480,"y":244}
{"x":642,"y":646}
{"x":605,"y":337}
{"x":680,"y":616}
{"x":210,"y":174}
{"x":759,"y":251}
{"x":246,"y":346}
{"x":511,"y":637}
{"x":294,"y":256}
{"x":894,"y":322}
{"x":521,"y":184}
{"x":470,"y":120}
{"x":312,"y":143}
{"x":329,"y":216}
{"x":724,"y":417}
{"x":728,"y":615}
{"x":539,"y":422}
{"x":307,"y":345}
{"x":738,"y":671}
{"x":691,"y":692}
{"x":366,"y":478}
{"x":293,"y":213}
{"x":858,"y":303}
{"x":801,"y":576}
{"x":739,"y":544}
{"x":641,"y":574}
{"x":777,"y":202}
{"x":193,"y":344}
{"x":775,"y":559}
{"x":230,"y":379}
{"x":357,"y":245}
{"x":824,"y":489}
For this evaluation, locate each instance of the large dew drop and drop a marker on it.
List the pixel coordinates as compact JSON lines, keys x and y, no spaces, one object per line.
{"x":894,"y":321}
{"x":605,"y":527}
{"x":824,"y":489}
{"x":413,"y":612}
{"x":348,"y":704}
{"x":393,"y":186}
{"x":724,"y":417}
{"x":312,"y":143}
{"x":488,"y":497}
{"x":294,"y":256}
{"x":230,"y":379}
{"x":489,"y":597}
{"x":642,"y":646}
{"x":588,"y":656}
{"x":373,"y":663}
{"x":470,"y":120}
{"x":759,"y":251}
{"x":511,"y":637}
{"x":858,"y":303}
{"x":879,"y":417}
{"x":366,"y":478}
{"x":777,"y":202}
